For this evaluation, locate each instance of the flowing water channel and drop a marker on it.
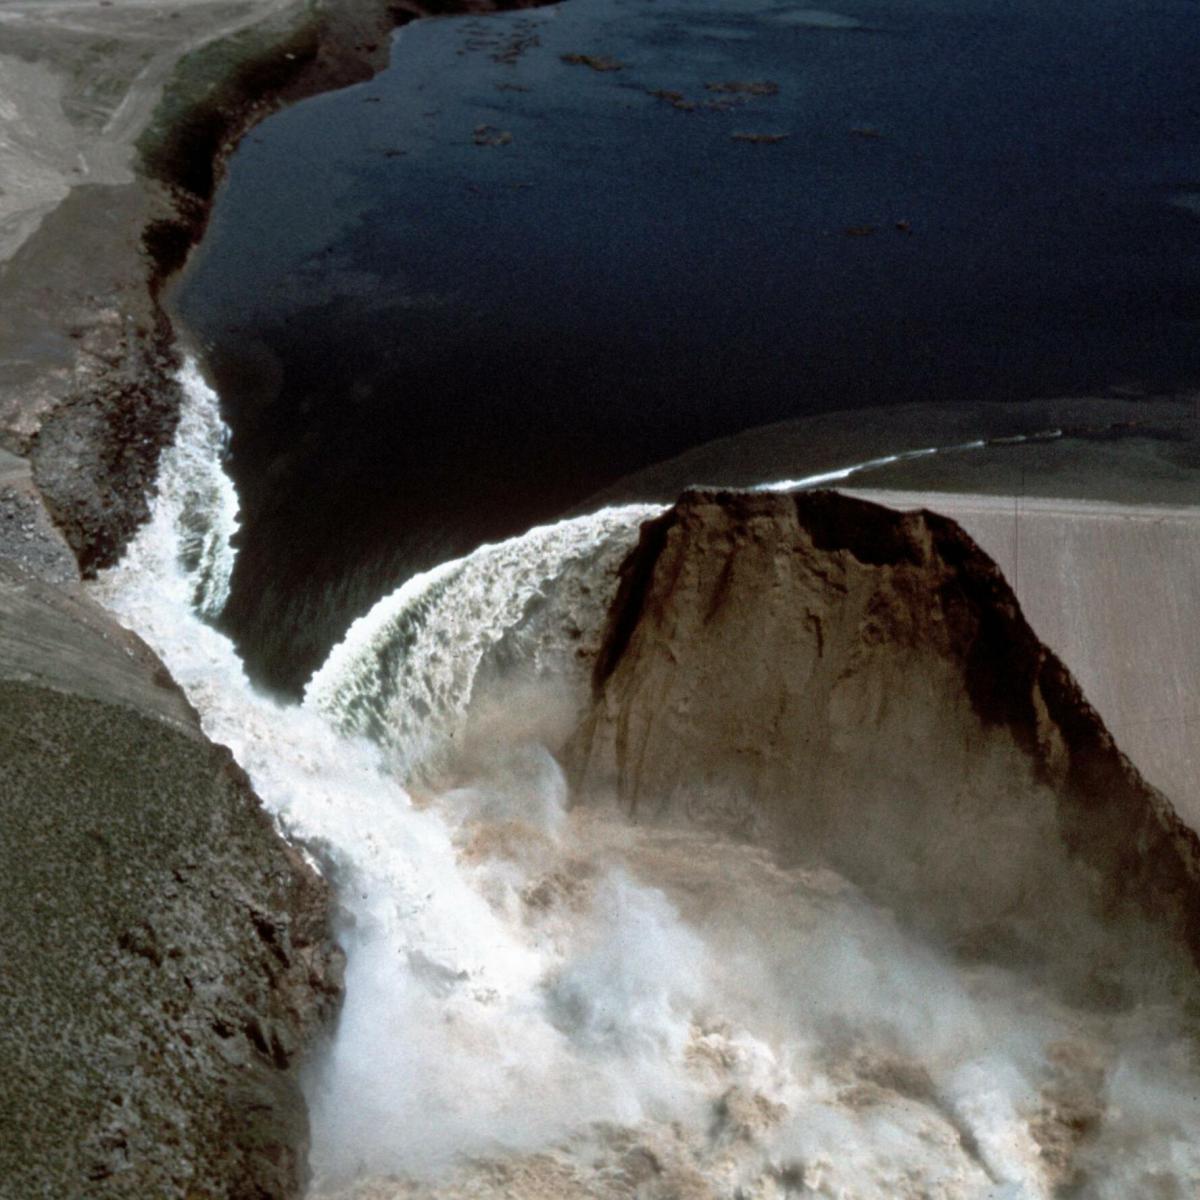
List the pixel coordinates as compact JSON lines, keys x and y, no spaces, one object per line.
{"x":546,"y":1002}
{"x":542,"y":251}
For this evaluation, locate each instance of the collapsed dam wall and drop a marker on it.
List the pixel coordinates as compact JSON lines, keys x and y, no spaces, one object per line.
{"x":849,"y":684}
{"x":1111,"y":590}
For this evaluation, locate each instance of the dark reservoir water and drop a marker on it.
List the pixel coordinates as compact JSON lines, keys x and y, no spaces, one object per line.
{"x":455,"y":301}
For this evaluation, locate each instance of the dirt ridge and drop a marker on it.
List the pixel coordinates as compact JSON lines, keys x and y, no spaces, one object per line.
{"x":831,"y":677}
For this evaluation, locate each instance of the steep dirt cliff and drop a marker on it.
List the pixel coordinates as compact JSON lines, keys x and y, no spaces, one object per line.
{"x":167,"y":956}
{"x":851,"y":685}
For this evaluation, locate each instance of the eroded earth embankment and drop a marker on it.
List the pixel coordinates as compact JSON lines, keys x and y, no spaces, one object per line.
{"x":848,"y":684}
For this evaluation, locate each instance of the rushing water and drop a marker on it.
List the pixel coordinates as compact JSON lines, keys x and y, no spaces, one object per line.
{"x":547,"y":1003}
{"x":428,"y":336}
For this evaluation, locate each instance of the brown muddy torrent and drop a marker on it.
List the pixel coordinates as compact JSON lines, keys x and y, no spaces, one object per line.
{"x":846,"y":892}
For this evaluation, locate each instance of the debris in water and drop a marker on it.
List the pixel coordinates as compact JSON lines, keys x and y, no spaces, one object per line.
{"x":866,"y":131}
{"x":515,"y":48}
{"x":861,"y":230}
{"x":813,"y":18}
{"x":597,"y":62}
{"x":489,"y":135}
{"x":673,"y":98}
{"x":741,"y":88}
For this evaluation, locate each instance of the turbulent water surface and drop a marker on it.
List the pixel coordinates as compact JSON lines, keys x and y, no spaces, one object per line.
{"x":543,"y":250}
{"x":451,"y":303}
{"x":549,"y":1003}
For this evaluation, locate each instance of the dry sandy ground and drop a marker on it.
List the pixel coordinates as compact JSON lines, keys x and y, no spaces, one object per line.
{"x":1114,"y":590}
{"x":79,"y":80}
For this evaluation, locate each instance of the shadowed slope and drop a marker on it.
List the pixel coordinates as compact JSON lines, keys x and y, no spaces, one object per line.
{"x":167,"y":956}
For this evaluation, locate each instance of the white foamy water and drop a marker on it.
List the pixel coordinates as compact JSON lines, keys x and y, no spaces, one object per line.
{"x":841,"y":474}
{"x":406,"y":672}
{"x":553,"y":1004}
{"x":428,"y":949}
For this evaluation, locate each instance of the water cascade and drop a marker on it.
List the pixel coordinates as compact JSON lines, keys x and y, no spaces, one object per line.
{"x":549,"y":1002}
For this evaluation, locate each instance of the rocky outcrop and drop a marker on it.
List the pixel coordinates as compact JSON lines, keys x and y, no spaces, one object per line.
{"x":167,"y":957}
{"x":96,"y":454}
{"x":858,"y":687}
{"x":29,"y":539}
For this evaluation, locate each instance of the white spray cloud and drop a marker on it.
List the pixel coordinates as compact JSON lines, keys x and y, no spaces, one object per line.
{"x":631,"y":988}
{"x":528,"y":981}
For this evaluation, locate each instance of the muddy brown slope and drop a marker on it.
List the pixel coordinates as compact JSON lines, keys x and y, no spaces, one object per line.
{"x":1112,"y":589}
{"x":857,"y":686}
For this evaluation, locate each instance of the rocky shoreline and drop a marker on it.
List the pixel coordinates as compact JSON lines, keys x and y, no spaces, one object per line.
{"x":87,"y":351}
{"x":169,"y":958}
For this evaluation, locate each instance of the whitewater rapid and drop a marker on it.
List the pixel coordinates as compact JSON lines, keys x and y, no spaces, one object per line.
{"x":543,"y":1002}
{"x":423,"y":940}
